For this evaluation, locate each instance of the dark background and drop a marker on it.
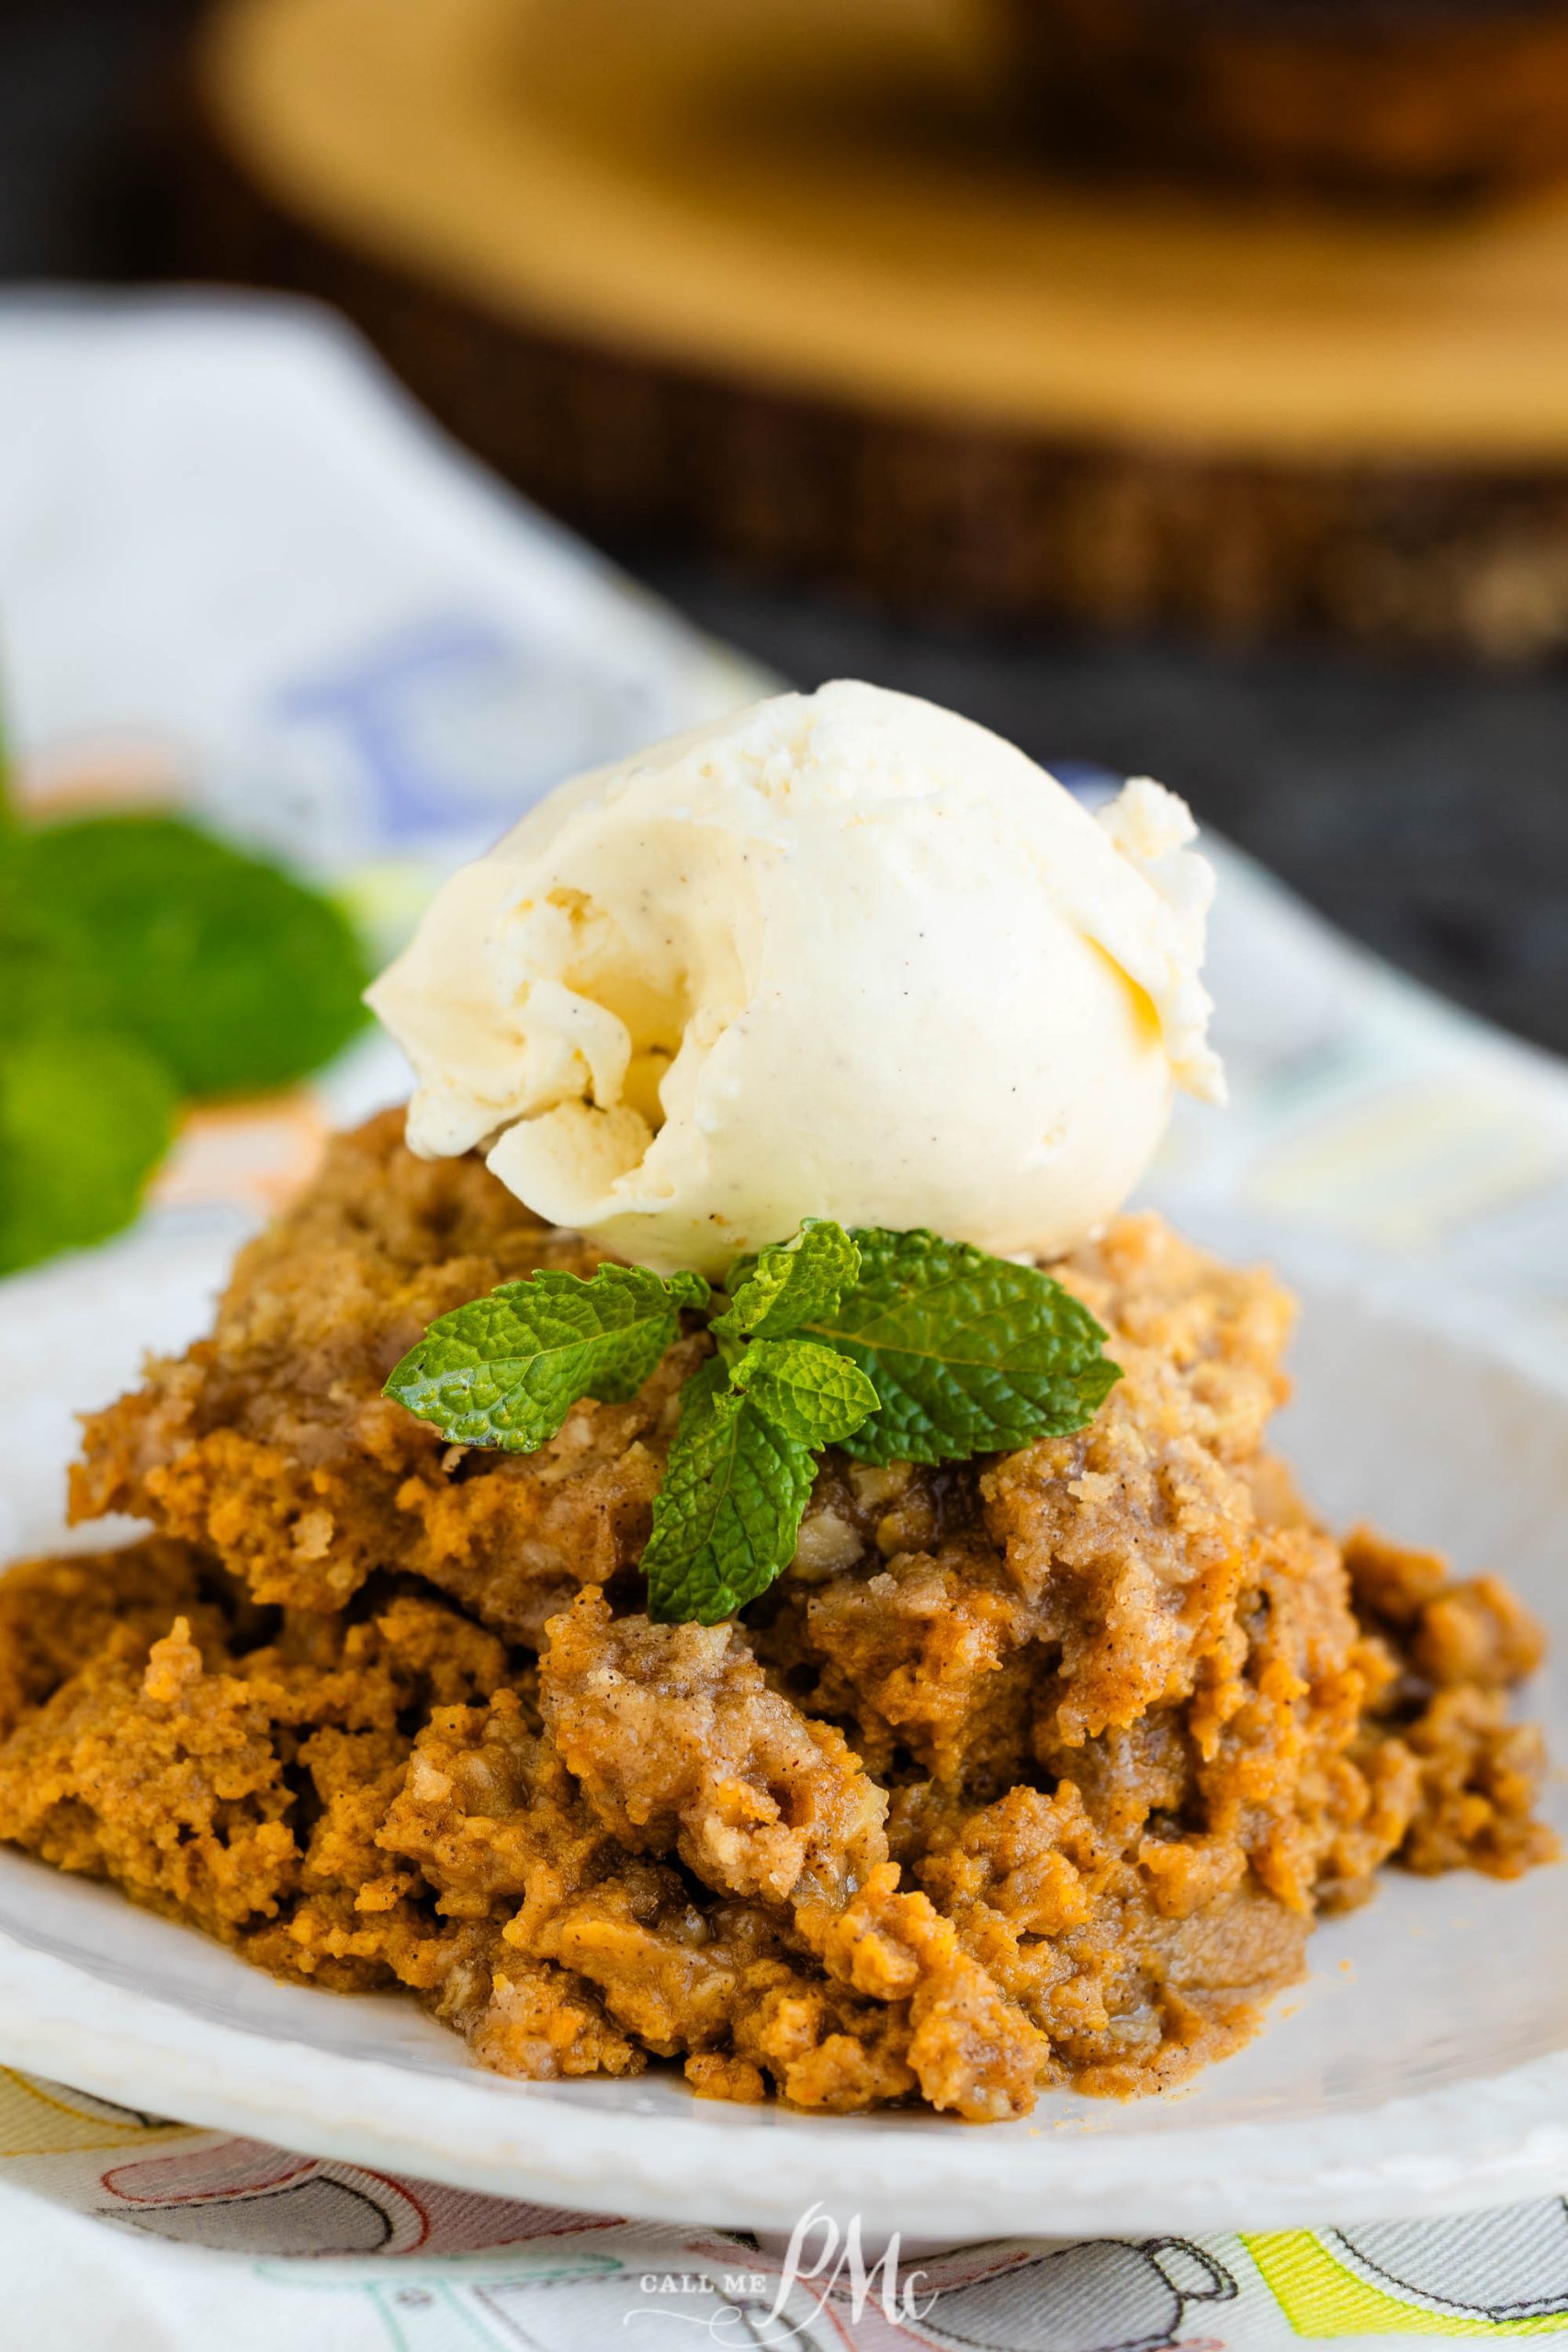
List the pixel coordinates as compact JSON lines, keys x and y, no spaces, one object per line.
{"x":1423,"y":805}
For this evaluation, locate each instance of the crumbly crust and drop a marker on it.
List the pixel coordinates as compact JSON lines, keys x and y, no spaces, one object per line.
{"x":272,"y":1446}
{"x":1031,"y":1771}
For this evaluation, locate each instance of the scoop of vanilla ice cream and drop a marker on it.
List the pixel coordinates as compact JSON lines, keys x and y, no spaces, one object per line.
{"x":846,"y":954}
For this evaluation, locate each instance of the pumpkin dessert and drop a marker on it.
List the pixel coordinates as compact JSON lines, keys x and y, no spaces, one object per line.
{"x":1032,"y":1770}
{"x":714,"y":1536}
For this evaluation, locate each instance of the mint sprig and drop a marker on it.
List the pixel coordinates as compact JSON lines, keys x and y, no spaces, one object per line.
{"x":504,"y":1371}
{"x":896,"y":1346}
{"x":148,"y":964}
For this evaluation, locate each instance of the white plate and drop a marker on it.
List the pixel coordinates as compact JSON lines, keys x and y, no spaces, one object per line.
{"x":1424,"y":2067}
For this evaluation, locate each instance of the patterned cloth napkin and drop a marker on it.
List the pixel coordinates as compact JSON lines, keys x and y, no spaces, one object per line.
{"x":214,"y":2240}
{"x":238,"y":572}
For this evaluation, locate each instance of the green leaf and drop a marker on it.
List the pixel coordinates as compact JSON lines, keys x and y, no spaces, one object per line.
{"x":811,"y":1393}
{"x":968,"y":1354}
{"x":83,"y":1121}
{"x":47,"y":981}
{"x":237,"y":976}
{"x":725,"y":1518}
{"x":790,"y":1283}
{"x":506,"y":1370}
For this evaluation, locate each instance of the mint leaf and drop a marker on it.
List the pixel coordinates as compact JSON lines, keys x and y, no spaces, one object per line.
{"x":809,"y":1392}
{"x":43,"y":984}
{"x":83,"y":1121}
{"x":505,"y":1371}
{"x":235,"y":976}
{"x":968,"y":1354}
{"x":725,"y":1518}
{"x":137,"y":947}
{"x":790,"y":1283}
{"x":919,"y":1350}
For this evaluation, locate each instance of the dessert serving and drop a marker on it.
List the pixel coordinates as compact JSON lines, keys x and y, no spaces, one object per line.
{"x":716,"y":1539}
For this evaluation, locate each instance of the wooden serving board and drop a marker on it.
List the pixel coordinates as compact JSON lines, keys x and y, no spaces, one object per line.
{"x":780,"y":278}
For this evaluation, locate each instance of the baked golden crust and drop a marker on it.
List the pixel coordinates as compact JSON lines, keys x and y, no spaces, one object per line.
{"x":1030,"y":1771}
{"x":272,"y":1446}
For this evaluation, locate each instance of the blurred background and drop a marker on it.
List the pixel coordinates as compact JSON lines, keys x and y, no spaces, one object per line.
{"x":1176,"y":386}
{"x":1420,"y":796}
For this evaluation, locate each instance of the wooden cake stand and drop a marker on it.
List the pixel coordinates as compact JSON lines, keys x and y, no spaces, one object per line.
{"x":779,"y":279}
